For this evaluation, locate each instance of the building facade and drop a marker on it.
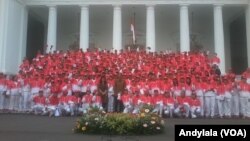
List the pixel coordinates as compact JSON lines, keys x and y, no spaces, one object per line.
{"x":159,"y":24}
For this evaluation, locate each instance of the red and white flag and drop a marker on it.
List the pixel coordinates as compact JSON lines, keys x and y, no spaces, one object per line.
{"x":132,"y":28}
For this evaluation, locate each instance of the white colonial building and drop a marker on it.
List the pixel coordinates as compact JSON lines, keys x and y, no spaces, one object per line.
{"x":221,"y":26}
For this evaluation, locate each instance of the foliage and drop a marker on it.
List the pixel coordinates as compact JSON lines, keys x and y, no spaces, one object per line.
{"x":98,"y":122}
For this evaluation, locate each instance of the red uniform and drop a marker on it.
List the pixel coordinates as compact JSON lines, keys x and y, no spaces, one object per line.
{"x":39,"y":100}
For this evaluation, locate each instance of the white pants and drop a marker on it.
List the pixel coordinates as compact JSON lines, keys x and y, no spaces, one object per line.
{"x":85,"y":107}
{"x":248,"y":108}
{"x":244,"y":103}
{"x":200,"y":96}
{"x":168,"y":110}
{"x":136,"y":109}
{"x":2,"y":98}
{"x":127,"y":108}
{"x":14,"y":102}
{"x":52,"y":109}
{"x":228,"y":104}
{"x":98,"y":105}
{"x":67,"y":108}
{"x":178,"y":112}
{"x":26,"y":101}
{"x":209,"y":104}
{"x":235,"y":104}
{"x":93,"y":88}
{"x":220,"y":100}
{"x":38,"y":109}
{"x":159,"y":109}
{"x":195,"y":111}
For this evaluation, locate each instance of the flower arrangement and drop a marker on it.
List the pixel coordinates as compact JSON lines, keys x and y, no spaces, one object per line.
{"x":98,"y":122}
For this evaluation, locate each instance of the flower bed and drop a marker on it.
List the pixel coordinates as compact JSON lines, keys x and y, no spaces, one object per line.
{"x":99,"y":122}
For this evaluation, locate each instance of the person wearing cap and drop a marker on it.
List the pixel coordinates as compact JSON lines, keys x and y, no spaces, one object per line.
{"x":85,"y":84}
{"x":244,"y":98}
{"x":176,"y":88}
{"x":136,"y":102}
{"x":76,"y":83}
{"x":228,"y":98}
{"x":220,"y":97}
{"x":235,"y":98}
{"x":168,"y":102}
{"x":182,"y":105}
{"x":195,"y":105}
{"x":63,"y":103}
{"x":157,"y":102}
{"x":25,"y":94}
{"x":210,"y":98}
{"x":86,"y":101}
{"x":39,"y":107}
{"x":14,"y":89}
{"x":97,"y":100}
{"x":127,"y":101}
{"x":199,"y":89}
{"x":93,"y":84}
{"x":53,"y":102}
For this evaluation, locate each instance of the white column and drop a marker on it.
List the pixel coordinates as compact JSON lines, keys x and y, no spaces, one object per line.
{"x":248,"y":33}
{"x":150,"y":33}
{"x":23,"y":34}
{"x":84,"y":28}
{"x":52,"y":29}
{"x":4,"y":18}
{"x":184,"y":28}
{"x":219,"y":36}
{"x":117,"y":28}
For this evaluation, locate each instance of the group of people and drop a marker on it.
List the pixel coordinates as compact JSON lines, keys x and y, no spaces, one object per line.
{"x":175,"y":84}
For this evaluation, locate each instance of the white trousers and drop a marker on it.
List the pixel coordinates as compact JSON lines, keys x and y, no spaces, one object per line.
{"x":51,"y":109}
{"x":26,"y":101}
{"x":2,"y":99}
{"x":168,"y":110}
{"x":85,"y":107}
{"x":244,"y":96}
{"x":235,"y":104}
{"x":220,"y":100}
{"x":67,"y":108}
{"x":195,"y":111}
{"x":228,"y":104}
{"x":178,"y":111}
{"x":38,"y":109}
{"x":202,"y":107}
{"x":159,"y":109}
{"x":209,"y":104}
{"x":14,"y":102}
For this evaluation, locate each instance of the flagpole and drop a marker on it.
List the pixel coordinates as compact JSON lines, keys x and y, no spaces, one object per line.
{"x":134,"y":29}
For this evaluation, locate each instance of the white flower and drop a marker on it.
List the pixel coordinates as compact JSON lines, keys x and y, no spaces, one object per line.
{"x":158,"y":128}
{"x":145,"y":125}
{"x":152,"y":122}
{"x":96,"y":118}
{"x":146,"y":110}
{"x":86,"y":123}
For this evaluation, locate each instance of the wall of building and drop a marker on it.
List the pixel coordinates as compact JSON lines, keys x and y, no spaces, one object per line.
{"x":167,"y":28}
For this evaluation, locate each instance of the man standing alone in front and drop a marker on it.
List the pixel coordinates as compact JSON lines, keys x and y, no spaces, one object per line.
{"x":119,"y":87}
